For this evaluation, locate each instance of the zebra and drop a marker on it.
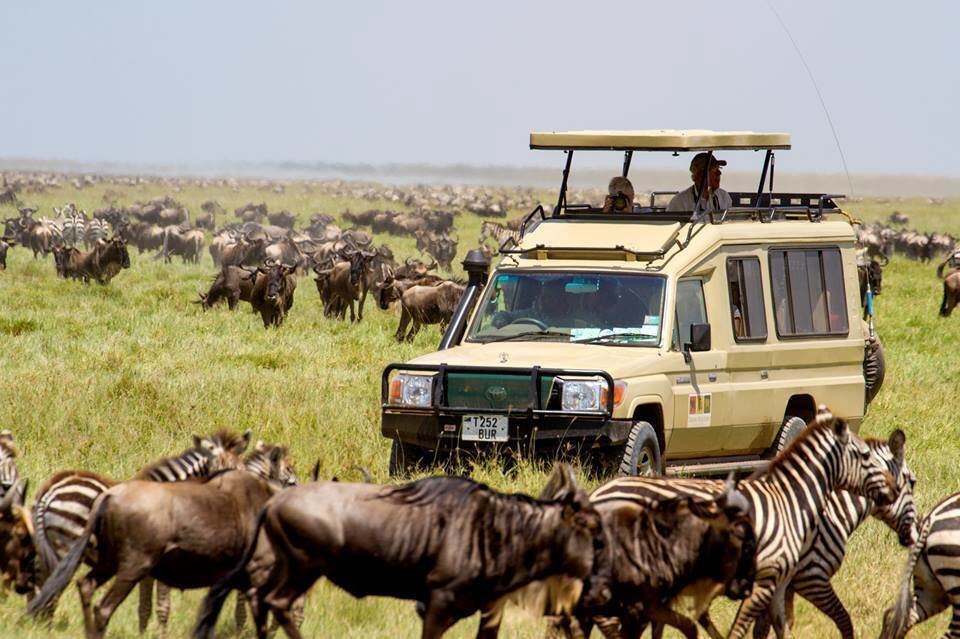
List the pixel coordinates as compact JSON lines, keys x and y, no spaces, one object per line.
{"x":260,"y":462}
{"x":97,"y":229}
{"x":9,"y":476}
{"x":498,"y":232}
{"x":72,"y":229}
{"x":788,"y":501}
{"x":844,"y":513}
{"x":63,"y":504}
{"x":931,"y":578}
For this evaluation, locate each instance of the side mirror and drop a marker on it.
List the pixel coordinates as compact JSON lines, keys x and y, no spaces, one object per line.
{"x":699,"y":340}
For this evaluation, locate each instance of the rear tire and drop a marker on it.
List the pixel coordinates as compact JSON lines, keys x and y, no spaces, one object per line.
{"x":641,"y":455}
{"x":407,"y":458}
{"x":792,"y":426}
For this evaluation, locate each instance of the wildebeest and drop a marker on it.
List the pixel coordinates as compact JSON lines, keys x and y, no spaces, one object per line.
{"x":243,"y":252}
{"x":272,"y":294}
{"x":17,"y":552}
{"x":451,"y":544}
{"x":344,"y":283}
{"x":421,"y":305}
{"x":104,"y":261}
{"x":232,"y":283}
{"x":65,"y":260}
{"x":869,"y":273}
{"x":951,"y":292}
{"x":185,"y":242}
{"x":185,"y":534}
{"x":654,"y":552}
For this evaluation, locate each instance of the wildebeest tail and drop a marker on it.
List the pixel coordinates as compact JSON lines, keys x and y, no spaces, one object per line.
{"x":63,"y":573}
{"x":217,"y":595}
{"x":896,"y":618}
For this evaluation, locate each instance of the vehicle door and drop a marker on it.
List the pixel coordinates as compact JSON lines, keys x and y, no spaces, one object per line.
{"x":699,"y":386}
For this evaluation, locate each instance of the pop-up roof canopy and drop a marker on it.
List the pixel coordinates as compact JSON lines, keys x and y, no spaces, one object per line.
{"x":659,"y":140}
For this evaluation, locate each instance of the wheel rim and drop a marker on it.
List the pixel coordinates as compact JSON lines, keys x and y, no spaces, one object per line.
{"x":645,"y":462}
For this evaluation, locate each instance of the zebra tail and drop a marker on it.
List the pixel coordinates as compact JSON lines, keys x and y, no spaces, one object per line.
{"x":217,"y":595}
{"x":896,"y":618}
{"x":46,"y":553}
{"x":57,"y":582}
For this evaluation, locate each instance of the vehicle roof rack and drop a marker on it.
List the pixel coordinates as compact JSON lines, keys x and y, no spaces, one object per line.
{"x":659,"y":140}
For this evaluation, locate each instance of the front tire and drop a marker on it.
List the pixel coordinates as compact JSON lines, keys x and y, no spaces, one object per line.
{"x":641,"y":455}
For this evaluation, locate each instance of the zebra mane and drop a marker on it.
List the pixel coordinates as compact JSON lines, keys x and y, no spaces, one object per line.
{"x":192,"y":462}
{"x":822,"y":422}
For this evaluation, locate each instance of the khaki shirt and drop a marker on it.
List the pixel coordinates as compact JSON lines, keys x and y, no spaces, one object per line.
{"x":685,"y":201}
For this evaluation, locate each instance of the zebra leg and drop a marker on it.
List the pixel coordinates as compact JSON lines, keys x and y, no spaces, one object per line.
{"x":146,"y":603}
{"x":822,"y":595}
{"x":778,"y":615}
{"x":163,"y":608}
{"x":240,"y":612}
{"x":752,"y":608}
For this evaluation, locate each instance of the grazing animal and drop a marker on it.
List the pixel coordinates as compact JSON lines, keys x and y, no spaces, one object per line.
{"x":498,"y":232}
{"x":232,"y":283}
{"x":870,"y":274}
{"x":787,"y":513}
{"x":844,"y":514}
{"x":951,"y":288}
{"x":266,"y":461}
{"x":97,"y":229}
{"x":66,"y":261}
{"x":931,"y":578}
{"x":103,"y":262}
{"x":655,"y":551}
{"x":185,"y":534}
{"x":63,"y":505}
{"x":9,"y":475}
{"x":17,"y":554}
{"x":272,"y":294}
{"x":427,"y":305}
{"x":5,"y":243}
{"x":451,"y":544}
{"x":188,"y":244}
{"x":345,"y":283}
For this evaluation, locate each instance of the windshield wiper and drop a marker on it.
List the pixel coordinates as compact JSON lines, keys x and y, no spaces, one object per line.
{"x":528,"y":334}
{"x":600,"y":338}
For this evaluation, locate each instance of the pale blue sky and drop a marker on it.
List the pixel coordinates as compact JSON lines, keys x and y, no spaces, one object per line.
{"x":453,"y":82}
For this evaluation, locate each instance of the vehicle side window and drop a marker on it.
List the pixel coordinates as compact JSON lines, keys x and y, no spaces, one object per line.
{"x":808,"y":292}
{"x":746,"y":299}
{"x":691,"y":309}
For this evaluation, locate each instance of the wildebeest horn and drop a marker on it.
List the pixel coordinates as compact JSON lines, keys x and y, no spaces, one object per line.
{"x":315,"y":473}
{"x":433,"y":265}
{"x":884,"y":260}
{"x":408,"y":261}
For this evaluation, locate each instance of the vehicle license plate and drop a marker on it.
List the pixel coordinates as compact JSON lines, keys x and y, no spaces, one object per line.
{"x":484,"y":428}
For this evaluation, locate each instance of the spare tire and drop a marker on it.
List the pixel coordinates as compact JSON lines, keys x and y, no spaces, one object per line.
{"x":874,"y":367}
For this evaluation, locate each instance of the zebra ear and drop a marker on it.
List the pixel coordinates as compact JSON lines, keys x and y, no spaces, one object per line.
{"x":896,"y":442}
{"x":246,"y":441}
{"x":197,"y":442}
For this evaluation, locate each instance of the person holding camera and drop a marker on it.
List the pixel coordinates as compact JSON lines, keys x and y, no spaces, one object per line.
{"x":713,"y":197}
{"x":619,"y":196}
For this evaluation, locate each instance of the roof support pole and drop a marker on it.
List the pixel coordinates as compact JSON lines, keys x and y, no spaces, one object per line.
{"x":763,"y":175}
{"x":627,"y":156}
{"x":562,"y":198}
{"x":773,"y":164}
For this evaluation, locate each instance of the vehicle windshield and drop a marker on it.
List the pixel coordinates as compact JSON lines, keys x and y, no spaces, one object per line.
{"x":596,"y":308}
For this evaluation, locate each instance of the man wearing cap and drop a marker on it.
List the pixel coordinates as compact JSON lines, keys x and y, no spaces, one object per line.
{"x":713,"y":198}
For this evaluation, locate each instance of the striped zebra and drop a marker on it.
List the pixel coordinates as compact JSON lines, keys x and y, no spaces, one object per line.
{"x":788,"y":501}
{"x":97,"y":229}
{"x":498,"y":232}
{"x":72,"y":229}
{"x":62,"y":505}
{"x":8,"y":465}
{"x":931,"y":578}
{"x":845,"y":512}
{"x":266,"y":461}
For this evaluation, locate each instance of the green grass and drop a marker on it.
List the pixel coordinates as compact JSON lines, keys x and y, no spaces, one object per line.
{"x":111,"y":378}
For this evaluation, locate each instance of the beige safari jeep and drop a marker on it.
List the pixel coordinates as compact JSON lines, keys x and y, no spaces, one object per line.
{"x":650,"y":341}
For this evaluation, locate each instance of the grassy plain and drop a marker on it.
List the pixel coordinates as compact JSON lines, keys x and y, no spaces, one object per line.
{"x":110,"y":378}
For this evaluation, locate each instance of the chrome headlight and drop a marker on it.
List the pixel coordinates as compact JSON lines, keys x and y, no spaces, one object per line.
{"x":581,"y":394}
{"x":412,"y":390}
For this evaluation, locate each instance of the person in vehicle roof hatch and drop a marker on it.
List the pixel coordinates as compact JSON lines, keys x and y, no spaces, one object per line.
{"x":619,"y":196}
{"x":713,"y":197}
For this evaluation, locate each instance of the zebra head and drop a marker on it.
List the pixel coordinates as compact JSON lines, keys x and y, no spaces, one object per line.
{"x":901,"y":515}
{"x":860,"y":470}
{"x":222,"y":449}
{"x":271,"y":463}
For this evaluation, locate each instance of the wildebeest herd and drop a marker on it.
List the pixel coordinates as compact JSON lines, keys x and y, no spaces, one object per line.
{"x":618,"y":559}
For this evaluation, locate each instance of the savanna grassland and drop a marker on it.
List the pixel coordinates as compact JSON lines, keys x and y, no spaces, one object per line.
{"x":109,"y":378}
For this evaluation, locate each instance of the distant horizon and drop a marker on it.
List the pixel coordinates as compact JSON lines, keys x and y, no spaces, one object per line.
{"x":533,"y":176}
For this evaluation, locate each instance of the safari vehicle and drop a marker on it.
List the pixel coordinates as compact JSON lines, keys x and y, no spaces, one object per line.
{"x":693,"y":342}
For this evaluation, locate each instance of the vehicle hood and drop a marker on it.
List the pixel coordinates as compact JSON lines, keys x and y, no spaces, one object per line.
{"x":619,"y":361}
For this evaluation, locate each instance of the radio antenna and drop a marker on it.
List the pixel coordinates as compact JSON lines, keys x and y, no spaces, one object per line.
{"x":816,"y":88}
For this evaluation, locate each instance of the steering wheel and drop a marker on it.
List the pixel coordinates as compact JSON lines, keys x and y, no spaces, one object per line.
{"x":531,"y":320}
